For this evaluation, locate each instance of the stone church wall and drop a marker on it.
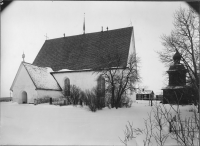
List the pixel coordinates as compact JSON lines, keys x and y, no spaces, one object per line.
{"x":85,"y":80}
{"x":24,"y":83}
{"x":49,"y":93}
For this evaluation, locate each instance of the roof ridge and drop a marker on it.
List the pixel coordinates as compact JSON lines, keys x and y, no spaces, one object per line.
{"x":35,"y":65}
{"x":90,"y":33}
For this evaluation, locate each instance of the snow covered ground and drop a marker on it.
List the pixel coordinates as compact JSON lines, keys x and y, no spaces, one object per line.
{"x":27,"y":124}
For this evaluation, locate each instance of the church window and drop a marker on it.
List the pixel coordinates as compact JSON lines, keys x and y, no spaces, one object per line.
{"x":67,"y":87}
{"x":101,"y":85}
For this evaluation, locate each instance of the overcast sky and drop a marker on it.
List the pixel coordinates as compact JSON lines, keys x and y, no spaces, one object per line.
{"x":25,"y":24}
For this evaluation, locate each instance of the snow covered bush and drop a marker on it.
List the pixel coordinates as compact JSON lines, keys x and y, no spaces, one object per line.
{"x":125,"y":102}
{"x":94,"y":100}
{"x":128,"y":134}
{"x":83,"y":99}
{"x":5,"y":99}
{"x":45,"y":99}
{"x":167,"y":122}
{"x":74,"y":96}
{"x":75,"y":93}
{"x":91,"y":100}
{"x":185,"y":130}
{"x":58,"y":101}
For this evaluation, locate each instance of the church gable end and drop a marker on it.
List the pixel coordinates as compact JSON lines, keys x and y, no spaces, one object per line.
{"x":23,"y":84}
{"x":21,"y":75}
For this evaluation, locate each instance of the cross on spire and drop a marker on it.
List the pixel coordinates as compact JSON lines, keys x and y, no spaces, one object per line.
{"x":46,"y":37}
{"x":84,"y":25}
{"x":130,"y":24}
{"x":23,"y":56}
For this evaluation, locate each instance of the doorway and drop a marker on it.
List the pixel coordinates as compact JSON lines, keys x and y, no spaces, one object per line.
{"x":24,"y":97}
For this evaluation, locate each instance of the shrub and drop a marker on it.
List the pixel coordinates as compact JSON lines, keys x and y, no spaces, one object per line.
{"x":83,"y":98}
{"x":126,"y":102}
{"x":5,"y":99}
{"x":100,"y":99}
{"x":58,"y":101}
{"x":94,"y":100}
{"x":75,"y":95}
{"x":45,"y":99}
{"x":91,"y":100}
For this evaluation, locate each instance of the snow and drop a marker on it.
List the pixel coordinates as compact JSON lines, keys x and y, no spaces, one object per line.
{"x":64,"y":70}
{"x":145,"y":92}
{"x":44,"y":124}
{"x":41,"y":77}
{"x":176,"y":87}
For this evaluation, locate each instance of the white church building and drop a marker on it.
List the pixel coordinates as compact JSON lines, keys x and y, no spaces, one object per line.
{"x":70,"y":60}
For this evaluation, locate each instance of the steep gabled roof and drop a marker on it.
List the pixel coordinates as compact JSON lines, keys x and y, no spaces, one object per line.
{"x":41,"y":77}
{"x":84,"y":51}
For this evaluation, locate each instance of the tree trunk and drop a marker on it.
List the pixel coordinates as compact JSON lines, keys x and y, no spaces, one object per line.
{"x":113,"y":97}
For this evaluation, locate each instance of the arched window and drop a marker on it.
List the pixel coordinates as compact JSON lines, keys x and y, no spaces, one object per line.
{"x":101,"y":85}
{"x":67,"y":87}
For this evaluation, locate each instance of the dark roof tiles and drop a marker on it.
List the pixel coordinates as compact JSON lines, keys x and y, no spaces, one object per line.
{"x":84,"y":51}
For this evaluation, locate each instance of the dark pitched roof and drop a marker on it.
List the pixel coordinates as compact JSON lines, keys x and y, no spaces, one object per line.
{"x":84,"y":51}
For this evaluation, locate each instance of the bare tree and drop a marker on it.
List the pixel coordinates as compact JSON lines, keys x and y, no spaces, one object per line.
{"x":128,"y":134}
{"x":167,"y":121}
{"x":119,"y":79}
{"x":184,"y":38}
{"x":183,"y":129}
{"x":159,"y":122}
{"x":147,"y":131}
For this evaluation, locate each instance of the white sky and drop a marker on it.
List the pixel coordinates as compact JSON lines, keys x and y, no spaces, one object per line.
{"x":25,"y":24}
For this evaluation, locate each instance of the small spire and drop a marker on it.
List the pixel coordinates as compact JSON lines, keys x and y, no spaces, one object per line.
{"x":101,"y":28}
{"x":46,"y":37}
{"x":23,"y":56}
{"x":130,"y":23}
{"x":107,"y":28}
{"x":177,"y":57}
{"x":64,"y":34}
{"x":84,"y":25}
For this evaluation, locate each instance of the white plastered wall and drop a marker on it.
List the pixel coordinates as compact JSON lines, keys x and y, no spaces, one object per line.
{"x":49,"y":93}
{"x":22,"y":83}
{"x":132,"y":44}
{"x":84,"y":80}
{"x":132,"y":50}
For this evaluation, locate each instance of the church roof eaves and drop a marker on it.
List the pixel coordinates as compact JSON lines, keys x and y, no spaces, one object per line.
{"x":84,"y":70}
